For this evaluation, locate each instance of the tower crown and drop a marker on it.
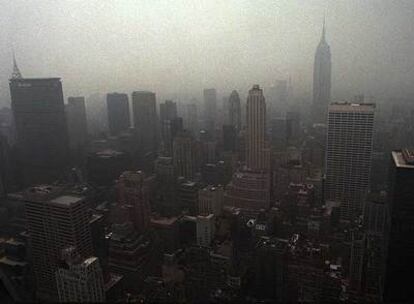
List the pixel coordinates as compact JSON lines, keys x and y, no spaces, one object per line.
{"x":16,"y":72}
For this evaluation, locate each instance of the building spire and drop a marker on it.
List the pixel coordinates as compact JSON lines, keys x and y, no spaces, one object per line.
{"x":16,"y":72}
{"x":323,"y":29}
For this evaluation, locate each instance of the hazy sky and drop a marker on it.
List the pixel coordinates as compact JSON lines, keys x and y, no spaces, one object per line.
{"x":182,"y":46}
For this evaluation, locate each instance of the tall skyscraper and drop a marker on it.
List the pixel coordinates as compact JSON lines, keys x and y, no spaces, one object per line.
{"x":256,"y":129}
{"x":321,"y":80}
{"x":79,"y":279}
{"x":191,"y":117}
{"x":77,"y":123}
{"x":54,"y":221}
{"x":171,"y":124}
{"x":145,"y":120}
{"x":118,"y":113}
{"x":400,"y":238}
{"x":348,"y":155}
{"x":42,"y":135}
{"x":210,"y":110}
{"x":184,"y":155}
{"x":234,"y":110}
{"x":133,"y":190}
{"x":168,"y":110}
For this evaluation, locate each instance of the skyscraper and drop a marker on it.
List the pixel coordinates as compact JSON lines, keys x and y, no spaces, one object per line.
{"x":145,"y":120}
{"x":184,"y":155}
{"x":210,"y":110}
{"x":168,"y":110}
{"x":400,"y":240}
{"x":55,"y":221}
{"x":80,"y":279}
{"x":77,"y":123}
{"x":118,"y":112}
{"x":321,"y":80}
{"x":42,"y":135}
{"x":256,"y":129}
{"x":234,"y":110}
{"x":348,"y":155}
{"x":133,"y":190}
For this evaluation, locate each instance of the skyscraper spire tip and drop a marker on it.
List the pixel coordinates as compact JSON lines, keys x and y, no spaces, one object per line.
{"x":16,"y":72}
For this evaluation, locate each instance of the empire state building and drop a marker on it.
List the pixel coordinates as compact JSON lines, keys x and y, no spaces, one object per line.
{"x":321,"y":81}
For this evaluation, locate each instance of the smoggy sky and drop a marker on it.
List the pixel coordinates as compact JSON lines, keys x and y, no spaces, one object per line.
{"x":176,"y":48}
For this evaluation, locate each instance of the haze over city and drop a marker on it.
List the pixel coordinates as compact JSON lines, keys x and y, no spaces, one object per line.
{"x":177,"y":48}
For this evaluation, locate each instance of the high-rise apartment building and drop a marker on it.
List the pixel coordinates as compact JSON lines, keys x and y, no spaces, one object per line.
{"x":42,"y":135}
{"x":145,"y":120}
{"x":256,"y":129}
{"x":321,"y":80}
{"x":210,"y":110}
{"x":55,"y":221}
{"x":118,"y":113}
{"x":79,"y":279}
{"x":400,"y":238}
{"x":77,"y":122}
{"x":234,"y":109}
{"x":348,"y":155}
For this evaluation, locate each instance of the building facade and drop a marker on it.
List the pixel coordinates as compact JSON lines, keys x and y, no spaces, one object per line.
{"x":348,"y":155}
{"x":118,"y":113}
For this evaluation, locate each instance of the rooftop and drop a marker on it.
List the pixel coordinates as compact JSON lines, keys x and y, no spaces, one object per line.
{"x":351,"y":107}
{"x":66,"y":200}
{"x":404,"y":158}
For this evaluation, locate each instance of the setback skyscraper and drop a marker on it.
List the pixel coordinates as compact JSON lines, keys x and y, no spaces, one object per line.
{"x":118,"y":113}
{"x":42,"y":135}
{"x":321,"y":80}
{"x":348,"y":155}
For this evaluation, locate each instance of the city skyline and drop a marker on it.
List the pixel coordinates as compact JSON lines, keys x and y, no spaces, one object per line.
{"x":288,"y":32}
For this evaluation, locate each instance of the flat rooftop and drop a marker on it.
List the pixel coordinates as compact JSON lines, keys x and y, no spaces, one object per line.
{"x":404,"y":158}
{"x":352,"y":107}
{"x":66,"y":200}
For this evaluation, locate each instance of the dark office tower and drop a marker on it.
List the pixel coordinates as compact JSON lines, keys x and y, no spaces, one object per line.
{"x":168,"y":110}
{"x":170,"y":125}
{"x":54,"y":222}
{"x":210,"y":109}
{"x":118,"y":113}
{"x":321,"y":80}
{"x":169,"y":129}
{"x":399,"y":265}
{"x":229,"y":138}
{"x":184,"y":155}
{"x":191,"y":117}
{"x":234,"y":110}
{"x":349,"y":155}
{"x":256,"y":129}
{"x":145,"y":120}
{"x":76,"y":118}
{"x":42,"y":135}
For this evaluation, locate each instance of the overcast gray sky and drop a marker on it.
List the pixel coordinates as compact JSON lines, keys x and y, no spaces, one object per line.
{"x":181,"y":46}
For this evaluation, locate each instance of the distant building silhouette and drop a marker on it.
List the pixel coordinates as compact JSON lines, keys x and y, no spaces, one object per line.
{"x":118,"y":112}
{"x":234,"y":110}
{"x":145,"y":120}
{"x":77,"y":122}
{"x":210,"y":109}
{"x":321,"y":80}
{"x":42,"y":135}
{"x":256,"y":129}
